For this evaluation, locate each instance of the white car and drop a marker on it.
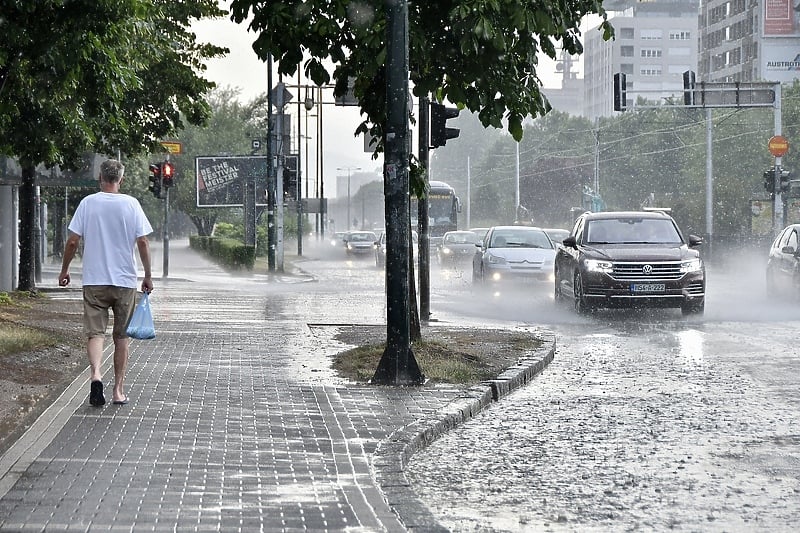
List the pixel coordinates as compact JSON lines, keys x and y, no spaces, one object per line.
{"x":514,"y":253}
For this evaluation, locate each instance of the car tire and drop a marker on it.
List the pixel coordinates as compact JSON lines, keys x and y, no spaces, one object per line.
{"x":693,"y":309}
{"x":581,"y":307}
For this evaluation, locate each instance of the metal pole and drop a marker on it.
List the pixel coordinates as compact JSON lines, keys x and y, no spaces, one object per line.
{"x":422,"y":214}
{"x":281,"y":151}
{"x":348,"y":199}
{"x":709,"y":181}
{"x":777,"y":217}
{"x":165,"y":265}
{"x":271,"y":235}
{"x":299,"y":185}
{"x":516,"y":184}
{"x":469,"y":195}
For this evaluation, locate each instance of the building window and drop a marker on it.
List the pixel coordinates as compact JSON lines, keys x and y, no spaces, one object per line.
{"x":650,"y":52}
{"x":626,"y":33}
{"x":651,"y":70}
{"x":626,"y":51}
{"x":626,"y":68}
{"x":677,"y":35}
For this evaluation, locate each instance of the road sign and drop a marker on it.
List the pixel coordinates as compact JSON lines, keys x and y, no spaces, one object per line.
{"x":280,"y":90}
{"x":778,"y":145}
{"x":173,"y":147}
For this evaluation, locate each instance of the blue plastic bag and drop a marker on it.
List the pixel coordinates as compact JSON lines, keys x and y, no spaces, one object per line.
{"x":141,"y":325}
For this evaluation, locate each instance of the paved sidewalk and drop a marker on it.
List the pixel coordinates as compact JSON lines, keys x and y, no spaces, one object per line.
{"x":236,"y":422}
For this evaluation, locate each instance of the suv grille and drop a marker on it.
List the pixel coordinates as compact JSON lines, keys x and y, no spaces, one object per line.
{"x":647,"y":271}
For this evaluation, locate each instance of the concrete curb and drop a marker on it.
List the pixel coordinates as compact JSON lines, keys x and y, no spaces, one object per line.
{"x":394,"y":453}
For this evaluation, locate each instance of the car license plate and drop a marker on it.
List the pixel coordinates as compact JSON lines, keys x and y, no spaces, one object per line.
{"x":647,"y":287}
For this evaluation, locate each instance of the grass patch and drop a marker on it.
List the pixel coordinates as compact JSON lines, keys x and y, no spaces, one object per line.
{"x":455,"y":357}
{"x":15,"y":339}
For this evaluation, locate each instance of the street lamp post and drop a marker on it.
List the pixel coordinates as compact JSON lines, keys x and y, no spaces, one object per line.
{"x":348,"y":169}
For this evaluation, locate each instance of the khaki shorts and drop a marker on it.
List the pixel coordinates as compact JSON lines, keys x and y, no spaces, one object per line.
{"x":97,"y":300}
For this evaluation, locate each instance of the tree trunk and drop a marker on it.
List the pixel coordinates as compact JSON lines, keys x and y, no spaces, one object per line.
{"x":27,"y":229}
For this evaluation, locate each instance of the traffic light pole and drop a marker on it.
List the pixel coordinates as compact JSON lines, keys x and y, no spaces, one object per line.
{"x":422,"y":215}
{"x":165,"y":267}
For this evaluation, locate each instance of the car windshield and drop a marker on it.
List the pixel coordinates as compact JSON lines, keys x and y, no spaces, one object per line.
{"x":361,"y":237}
{"x":511,"y":238}
{"x":461,"y":238}
{"x":632,"y":231}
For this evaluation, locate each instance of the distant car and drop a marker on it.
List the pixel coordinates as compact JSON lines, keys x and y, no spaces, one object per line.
{"x":514,"y":253}
{"x":630,"y":259}
{"x":338,"y":238}
{"x":556,"y":235}
{"x":783,"y":263}
{"x":380,"y":248}
{"x":456,"y":248}
{"x":359,"y":242}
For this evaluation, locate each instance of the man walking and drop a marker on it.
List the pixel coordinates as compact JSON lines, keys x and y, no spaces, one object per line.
{"x":110,"y":224}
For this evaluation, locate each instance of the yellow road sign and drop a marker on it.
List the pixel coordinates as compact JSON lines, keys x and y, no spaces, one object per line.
{"x":173,"y":147}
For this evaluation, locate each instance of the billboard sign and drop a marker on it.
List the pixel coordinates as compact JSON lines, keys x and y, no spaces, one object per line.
{"x":221,"y":181}
{"x":781,"y":62}
{"x":779,"y":19}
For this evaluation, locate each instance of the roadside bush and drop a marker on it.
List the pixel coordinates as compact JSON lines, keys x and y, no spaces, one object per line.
{"x":230,"y":253}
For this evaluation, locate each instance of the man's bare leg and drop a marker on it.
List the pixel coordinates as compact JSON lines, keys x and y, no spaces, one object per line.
{"x":120,"y":366}
{"x":94,"y":349}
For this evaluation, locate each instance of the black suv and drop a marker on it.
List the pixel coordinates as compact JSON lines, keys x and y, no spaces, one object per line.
{"x":630,"y":259}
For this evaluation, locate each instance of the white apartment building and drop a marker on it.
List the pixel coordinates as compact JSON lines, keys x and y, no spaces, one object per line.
{"x":749,"y":40}
{"x":655,"y":43}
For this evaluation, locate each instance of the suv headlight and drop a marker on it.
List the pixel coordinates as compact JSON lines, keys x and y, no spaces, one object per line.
{"x":496,"y":260}
{"x":595,"y":265}
{"x":693,"y":265}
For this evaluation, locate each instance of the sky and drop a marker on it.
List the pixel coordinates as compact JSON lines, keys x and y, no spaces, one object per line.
{"x":242,"y":69}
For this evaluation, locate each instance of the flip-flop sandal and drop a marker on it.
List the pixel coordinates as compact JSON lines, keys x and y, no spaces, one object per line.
{"x":96,"y":397}
{"x":120,"y":402}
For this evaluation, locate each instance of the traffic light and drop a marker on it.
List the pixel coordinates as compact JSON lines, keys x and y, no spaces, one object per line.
{"x":155,"y":180}
{"x":439,"y":130}
{"x":688,"y":87}
{"x":167,"y":174}
{"x":769,"y":180}
{"x":785,"y":177}
{"x":620,"y":96}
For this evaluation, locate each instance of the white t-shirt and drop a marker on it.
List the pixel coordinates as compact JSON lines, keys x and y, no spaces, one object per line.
{"x":109,"y":224}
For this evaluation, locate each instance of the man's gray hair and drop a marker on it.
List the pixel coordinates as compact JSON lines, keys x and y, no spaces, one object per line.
{"x":111,"y":171}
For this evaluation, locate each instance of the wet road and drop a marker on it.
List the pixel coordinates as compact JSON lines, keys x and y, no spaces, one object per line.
{"x":644,"y":420}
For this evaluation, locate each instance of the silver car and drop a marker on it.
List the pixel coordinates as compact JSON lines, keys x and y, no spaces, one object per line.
{"x":359,"y":242}
{"x":456,"y":248}
{"x":514,"y":253}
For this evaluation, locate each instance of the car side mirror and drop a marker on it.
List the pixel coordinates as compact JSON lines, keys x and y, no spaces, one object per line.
{"x":570,"y":242}
{"x":694,"y":240}
{"x":789,"y":250}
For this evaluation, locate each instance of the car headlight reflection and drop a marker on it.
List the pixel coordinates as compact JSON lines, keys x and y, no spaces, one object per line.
{"x":595,"y":265}
{"x":693,"y":265}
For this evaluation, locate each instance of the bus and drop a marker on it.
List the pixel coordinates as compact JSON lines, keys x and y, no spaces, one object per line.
{"x":443,"y":209}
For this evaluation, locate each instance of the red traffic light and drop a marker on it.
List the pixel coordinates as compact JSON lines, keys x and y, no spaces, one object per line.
{"x":167,"y":173}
